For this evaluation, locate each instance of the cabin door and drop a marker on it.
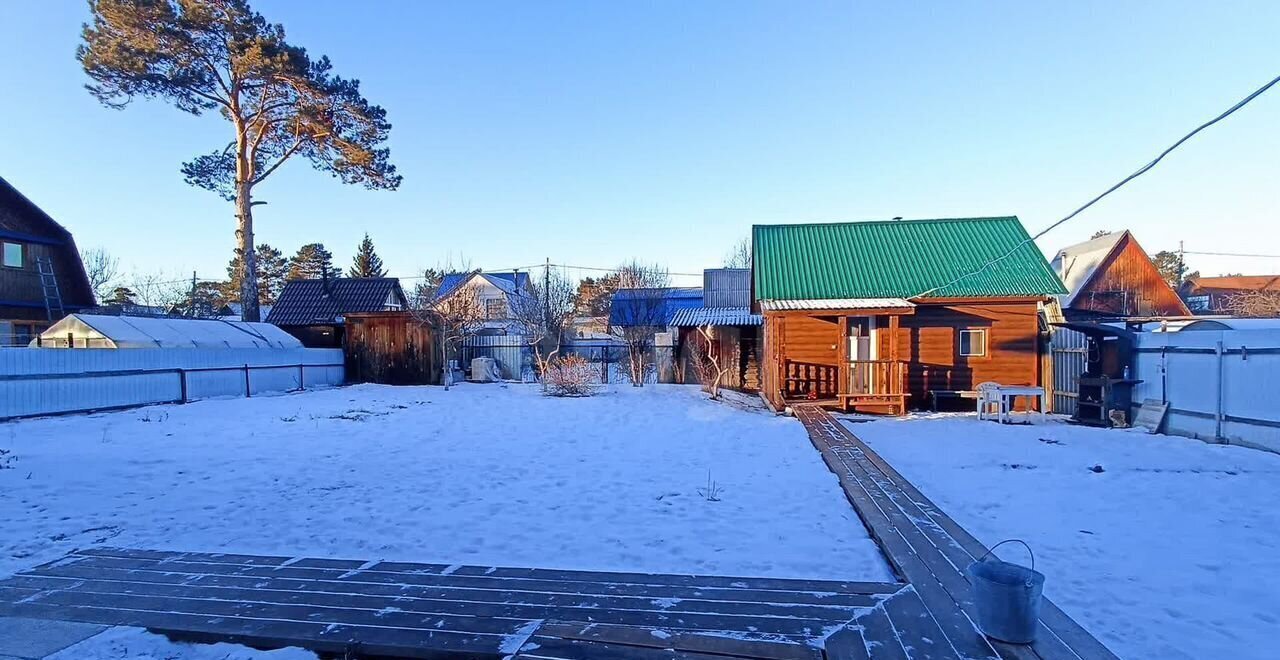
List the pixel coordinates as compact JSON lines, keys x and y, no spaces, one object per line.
{"x":862,"y":348}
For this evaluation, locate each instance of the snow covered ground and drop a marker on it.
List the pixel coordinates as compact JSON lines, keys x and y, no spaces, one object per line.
{"x":1168,"y":548}
{"x":138,"y":644}
{"x":482,"y":474}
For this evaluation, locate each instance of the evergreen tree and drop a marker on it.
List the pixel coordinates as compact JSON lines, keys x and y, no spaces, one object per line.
{"x":270,"y":266}
{"x":121,"y":295}
{"x":312,"y":262}
{"x":223,"y":58}
{"x":366,"y":263}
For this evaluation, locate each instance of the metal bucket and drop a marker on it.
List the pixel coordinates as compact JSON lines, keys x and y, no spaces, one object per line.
{"x":1007,"y":596}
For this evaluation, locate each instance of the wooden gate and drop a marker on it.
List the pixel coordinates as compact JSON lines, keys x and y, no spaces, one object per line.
{"x":1068,"y":351}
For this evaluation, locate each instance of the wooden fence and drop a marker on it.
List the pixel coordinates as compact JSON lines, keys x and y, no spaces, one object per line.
{"x":394,"y":348}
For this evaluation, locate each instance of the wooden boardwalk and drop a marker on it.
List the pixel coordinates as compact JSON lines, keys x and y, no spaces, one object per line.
{"x":930,"y":551}
{"x":410,"y":610}
{"x":383,"y":609}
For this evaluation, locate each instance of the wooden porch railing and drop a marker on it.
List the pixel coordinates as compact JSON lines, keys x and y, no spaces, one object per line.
{"x":806,"y":380}
{"x":876,"y":377}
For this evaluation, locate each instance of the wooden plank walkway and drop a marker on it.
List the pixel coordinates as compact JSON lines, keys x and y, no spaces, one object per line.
{"x":398,"y":609}
{"x":929,"y":550}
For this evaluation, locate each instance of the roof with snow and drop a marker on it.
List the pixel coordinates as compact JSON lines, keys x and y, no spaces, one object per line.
{"x":1075,"y":265}
{"x":324,"y":301}
{"x":641,"y":307}
{"x":164,"y":332}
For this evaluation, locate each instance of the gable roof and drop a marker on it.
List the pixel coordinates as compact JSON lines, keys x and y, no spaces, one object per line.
{"x":512,"y":283}
{"x":628,"y":304}
{"x":23,"y":221}
{"x":320,"y":302}
{"x":1076,"y":264}
{"x":899,"y":259}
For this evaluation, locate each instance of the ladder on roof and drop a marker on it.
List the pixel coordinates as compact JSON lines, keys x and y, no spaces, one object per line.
{"x":49,"y":286}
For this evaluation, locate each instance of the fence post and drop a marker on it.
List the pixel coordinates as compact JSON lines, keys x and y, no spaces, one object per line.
{"x":604,"y":365}
{"x":247,"y":391}
{"x":301,"y":375}
{"x":182,"y":380}
{"x":1217,"y":431}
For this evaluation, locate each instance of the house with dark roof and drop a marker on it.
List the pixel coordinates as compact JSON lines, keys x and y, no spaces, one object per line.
{"x":41,"y":276}
{"x":313,"y":310}
{"x":1111,"y":277}
{"x":879,"y":316}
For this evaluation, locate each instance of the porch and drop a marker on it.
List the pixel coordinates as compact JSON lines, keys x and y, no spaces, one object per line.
{"x":846,"y":359}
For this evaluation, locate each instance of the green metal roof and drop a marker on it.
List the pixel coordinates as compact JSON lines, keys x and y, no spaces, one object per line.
{"x":899,"y":258}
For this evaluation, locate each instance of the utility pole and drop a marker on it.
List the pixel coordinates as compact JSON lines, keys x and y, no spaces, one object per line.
{"x":191,"y":302}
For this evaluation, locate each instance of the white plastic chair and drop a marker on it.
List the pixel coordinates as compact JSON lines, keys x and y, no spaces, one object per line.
{"x":988,"y":396}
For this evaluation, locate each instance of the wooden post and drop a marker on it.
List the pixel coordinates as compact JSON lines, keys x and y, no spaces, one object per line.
{"x":301,"y":375}
{"x":897,"y":374}
{"x":182,"y":380}
{"x":247,"y":391}
{"x":843,"y":361}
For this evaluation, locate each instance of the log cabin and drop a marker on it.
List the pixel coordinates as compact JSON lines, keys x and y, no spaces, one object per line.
{"x":880,"y":316}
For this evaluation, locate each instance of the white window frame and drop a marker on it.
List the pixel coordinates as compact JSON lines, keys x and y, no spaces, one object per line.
{"x":979,"y":332}
{"x":4,"y":254}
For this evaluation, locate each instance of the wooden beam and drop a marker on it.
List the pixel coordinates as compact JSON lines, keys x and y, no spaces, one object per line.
{"x":843,"y":364}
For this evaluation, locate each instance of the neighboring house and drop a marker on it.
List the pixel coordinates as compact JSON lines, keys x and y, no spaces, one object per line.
{"x":1112,"y":277}
{"x":876,"y":316}
{"x":1213,"y":295}
{"x":656,"y":308}
{"x":735,"y":331}
{"x":496,"y":293}
{"x":97,"y":331}
{"x":31,"y":242}
{"x":312,"y":310}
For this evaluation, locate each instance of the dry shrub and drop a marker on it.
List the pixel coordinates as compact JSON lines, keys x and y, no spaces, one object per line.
{"x":570,"y":375}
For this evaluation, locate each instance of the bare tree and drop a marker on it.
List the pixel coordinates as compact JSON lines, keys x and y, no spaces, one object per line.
{"x":1253,"y":304}
{"x":543,"y":312}
{"x":639,"y":311}
{"x":158,"y":289}
{"x":457,"y":314}
{"x":102,"y":270}
{"x":739,"y":256}
{"x":707,"y":357}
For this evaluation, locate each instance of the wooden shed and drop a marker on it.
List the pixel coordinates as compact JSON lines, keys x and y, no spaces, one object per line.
{"x":879,"y":316}
{"x":392,"y":348}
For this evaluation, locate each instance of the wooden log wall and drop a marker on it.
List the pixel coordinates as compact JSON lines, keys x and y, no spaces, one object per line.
{"x":392,"y":348}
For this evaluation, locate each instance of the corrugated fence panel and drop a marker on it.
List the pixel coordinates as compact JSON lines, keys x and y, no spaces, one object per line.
{"x":1220,"y":385}
{"x":1068,"y":348}
{"x":47,"y":381}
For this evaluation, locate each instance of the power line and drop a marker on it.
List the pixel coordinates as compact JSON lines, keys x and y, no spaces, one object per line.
{"x":1233,"y":254}
{"x":1142,"y":170}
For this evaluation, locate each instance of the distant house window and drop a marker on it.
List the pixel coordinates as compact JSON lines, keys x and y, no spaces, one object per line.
{"x":495,"y":309}
{"x":973,"y":343}
{"x":13,"y":255}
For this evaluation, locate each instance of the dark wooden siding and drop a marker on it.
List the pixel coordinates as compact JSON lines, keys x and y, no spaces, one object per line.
{"x":1129,"y":285}
{"x":24,"y":223}
{"x":393,"y":348}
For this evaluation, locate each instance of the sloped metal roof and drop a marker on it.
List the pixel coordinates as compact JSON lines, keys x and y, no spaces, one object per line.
{"x":958,"y":257}
{"x":1075,"y":265}
{"x":168,"y":332}
{"x":835,"y":303}
{"x":318,"y":302}
{"x":715,"y":316}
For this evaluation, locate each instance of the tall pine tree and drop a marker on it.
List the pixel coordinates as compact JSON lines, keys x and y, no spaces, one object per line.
{"x":366,"y":263}
{"x":312,"y":262}
{"x":270,"y":266}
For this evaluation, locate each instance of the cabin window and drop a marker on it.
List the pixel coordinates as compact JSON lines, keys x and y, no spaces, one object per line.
{"x":495,"y":309}
{"x":13,"y":255}
{"x":973,"y":343}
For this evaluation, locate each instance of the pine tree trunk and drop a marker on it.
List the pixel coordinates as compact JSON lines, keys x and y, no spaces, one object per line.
{"x":248,"y":256}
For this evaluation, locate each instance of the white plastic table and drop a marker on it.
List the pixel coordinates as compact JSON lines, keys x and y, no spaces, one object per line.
{"x":1002,"y":396}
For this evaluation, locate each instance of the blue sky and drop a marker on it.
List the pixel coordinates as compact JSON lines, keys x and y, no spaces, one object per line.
{"x":593,"y":132}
